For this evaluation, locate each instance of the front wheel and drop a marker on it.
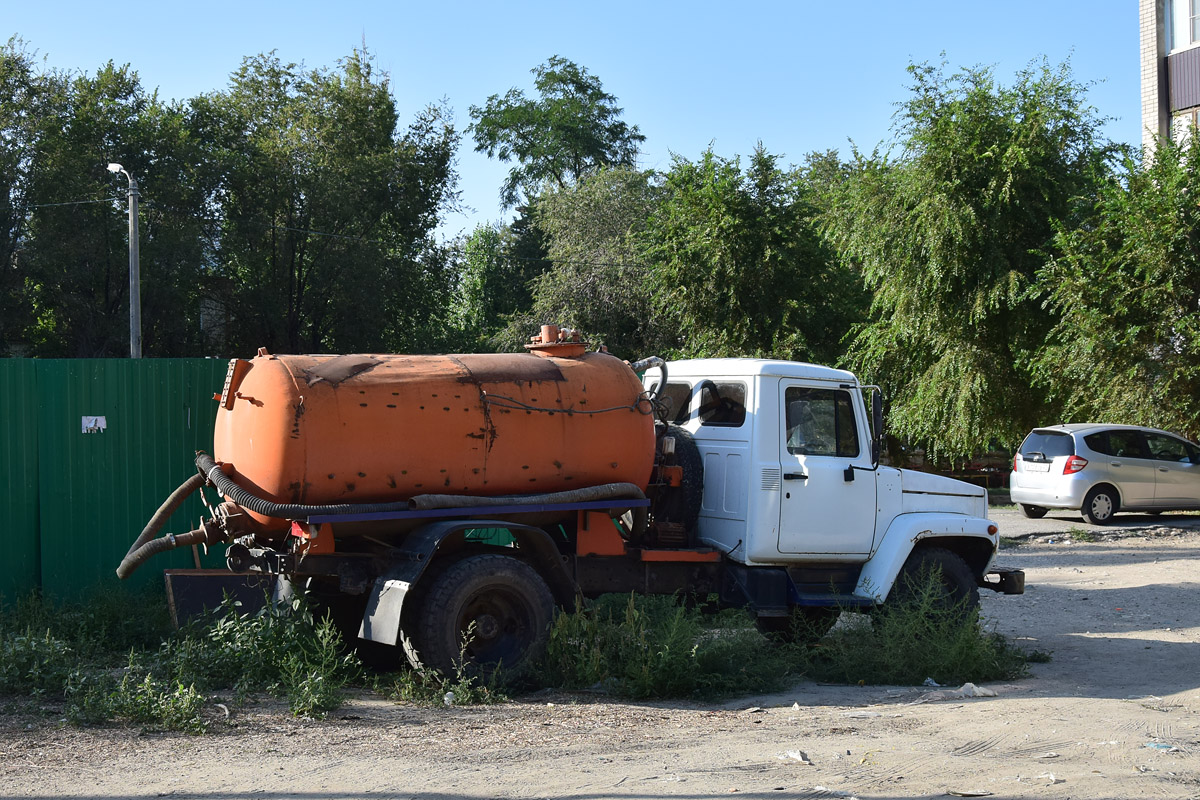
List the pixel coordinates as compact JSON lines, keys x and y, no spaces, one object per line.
{"x":1033,"y":512}
{"x":482,"y":614}
{"x":956,"y":586}
{"x":1100,"y":505}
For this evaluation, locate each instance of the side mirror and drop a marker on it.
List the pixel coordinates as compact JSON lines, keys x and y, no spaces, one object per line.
{"x":876,"y":425}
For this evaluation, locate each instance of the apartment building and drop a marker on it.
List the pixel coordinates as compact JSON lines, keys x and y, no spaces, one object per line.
{"x":1170,"y":46}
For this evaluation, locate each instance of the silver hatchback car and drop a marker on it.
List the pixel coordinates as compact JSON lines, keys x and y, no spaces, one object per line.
{"x":1103,"y":469}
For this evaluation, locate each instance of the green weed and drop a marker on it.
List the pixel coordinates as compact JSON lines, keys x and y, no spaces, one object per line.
{"x":106,"y":625}
{"x":283,"y":651}
{"x":69,"y":651}
{"x":907,"y":641}
{"x":464,"y":688}
{"x":138,"y":697}
{"x":646,"y":646}
{"x":34,"y":664}
{"x":1082,"y":535}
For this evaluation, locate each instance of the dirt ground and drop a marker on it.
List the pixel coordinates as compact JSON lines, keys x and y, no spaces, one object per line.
{"x":1115,"y":714}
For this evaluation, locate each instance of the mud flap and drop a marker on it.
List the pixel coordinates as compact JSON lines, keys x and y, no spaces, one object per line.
{"x":381,"y":620}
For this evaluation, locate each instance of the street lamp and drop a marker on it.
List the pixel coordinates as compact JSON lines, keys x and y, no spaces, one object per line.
{"x":135,"y":286}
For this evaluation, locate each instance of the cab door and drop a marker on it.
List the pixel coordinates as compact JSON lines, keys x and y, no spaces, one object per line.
{"x":828,"y":504}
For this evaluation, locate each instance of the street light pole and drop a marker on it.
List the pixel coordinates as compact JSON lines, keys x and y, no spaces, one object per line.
{"x":135,"y":285}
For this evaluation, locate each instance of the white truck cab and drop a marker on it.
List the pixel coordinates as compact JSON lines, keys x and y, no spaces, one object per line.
{"x":791,"y":478}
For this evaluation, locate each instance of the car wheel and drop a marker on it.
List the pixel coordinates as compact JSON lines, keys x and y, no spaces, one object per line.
{"x":1033,"y":512}
{"x":1100,"y":505}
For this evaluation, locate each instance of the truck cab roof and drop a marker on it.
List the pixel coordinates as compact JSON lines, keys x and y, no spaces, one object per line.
{"x":750,"y":367}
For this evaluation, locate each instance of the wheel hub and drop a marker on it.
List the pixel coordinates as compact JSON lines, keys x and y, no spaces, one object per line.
{"x":486,"y":626}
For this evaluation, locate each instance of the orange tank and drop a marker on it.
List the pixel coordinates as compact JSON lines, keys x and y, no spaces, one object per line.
{"x":380,"y":428}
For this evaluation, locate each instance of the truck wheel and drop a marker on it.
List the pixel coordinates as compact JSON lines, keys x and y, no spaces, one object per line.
{"x":806,"y":624}
{"x":957,"y":584}
{"x":483,"y":613}
{"x":1033,"y":512}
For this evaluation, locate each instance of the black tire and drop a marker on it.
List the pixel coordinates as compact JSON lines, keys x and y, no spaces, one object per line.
{"x":682,"y":504}
{"x":959,"y":589}
{"x":806,"y":624}
{"x":1100,"y":505}
{"x":482,"y":613}
{"x":1033,"y":512}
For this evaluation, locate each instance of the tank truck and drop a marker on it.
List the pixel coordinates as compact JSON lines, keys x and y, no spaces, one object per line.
{"x":453,"y":502}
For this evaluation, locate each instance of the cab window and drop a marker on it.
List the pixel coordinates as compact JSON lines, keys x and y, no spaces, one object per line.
{"x":677,"y":397}
{"x":820,"y":422}
{"x":722,"y":403}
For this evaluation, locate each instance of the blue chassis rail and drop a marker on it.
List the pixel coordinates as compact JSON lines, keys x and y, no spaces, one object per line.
{"x":476,"y":511}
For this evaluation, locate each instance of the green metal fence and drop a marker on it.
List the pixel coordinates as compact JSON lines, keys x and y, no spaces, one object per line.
{"x":89,"y":448}
{"x":19,"y":538}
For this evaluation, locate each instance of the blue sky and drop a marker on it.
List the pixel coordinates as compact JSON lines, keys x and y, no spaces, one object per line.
{"x":798,"y":76}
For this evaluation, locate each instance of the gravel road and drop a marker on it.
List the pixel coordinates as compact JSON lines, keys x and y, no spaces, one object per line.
{"x":1115,"y":714}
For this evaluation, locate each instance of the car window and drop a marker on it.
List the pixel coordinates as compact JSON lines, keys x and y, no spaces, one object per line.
{"x":1119,"y":443}
{"x":820,"y":422}
{"x":1168,"y":448}
{"x":1046,"y":445}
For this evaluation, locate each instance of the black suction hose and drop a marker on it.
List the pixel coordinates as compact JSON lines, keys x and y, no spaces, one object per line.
{"x":211,"y":470}
{"x":225,"y":485}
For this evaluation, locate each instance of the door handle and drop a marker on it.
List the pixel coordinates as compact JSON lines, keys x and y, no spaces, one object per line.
{"x":1115,"y":463}
{"x":1163,"y":469}
{"x":795,"y":476}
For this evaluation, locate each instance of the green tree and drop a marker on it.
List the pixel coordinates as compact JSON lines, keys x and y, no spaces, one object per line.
{"x":598,"y":281}
{"x":73,"y":262}
{"x":739,"y":266}
{"x":21,"y":98}
{"x":573,"y":128}
{"x":327,"y":211}
{"x":1126,"y":291}
{"x":493,"y":284}
{"x":950,"y":235}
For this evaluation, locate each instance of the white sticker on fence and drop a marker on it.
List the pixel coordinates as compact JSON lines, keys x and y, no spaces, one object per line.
{"x":94,"y":424}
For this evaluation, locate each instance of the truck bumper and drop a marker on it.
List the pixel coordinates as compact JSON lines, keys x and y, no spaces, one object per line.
{"x":1007,"y":581}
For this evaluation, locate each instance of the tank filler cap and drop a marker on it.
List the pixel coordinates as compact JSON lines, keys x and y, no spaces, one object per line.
{"x":557,"y":342}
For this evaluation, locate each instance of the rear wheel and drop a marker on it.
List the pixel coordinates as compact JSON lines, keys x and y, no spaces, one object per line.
{"x":483,"y":613}
{"x":1033,"y":512}
{"x":1100,"y":505}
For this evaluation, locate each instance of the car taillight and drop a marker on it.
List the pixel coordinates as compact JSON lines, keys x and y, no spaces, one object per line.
{"x":1015,"y":461}
{"x":1074,"y":464}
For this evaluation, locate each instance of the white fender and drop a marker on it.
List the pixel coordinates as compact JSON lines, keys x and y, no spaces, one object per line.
{"x":877,"y":576}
